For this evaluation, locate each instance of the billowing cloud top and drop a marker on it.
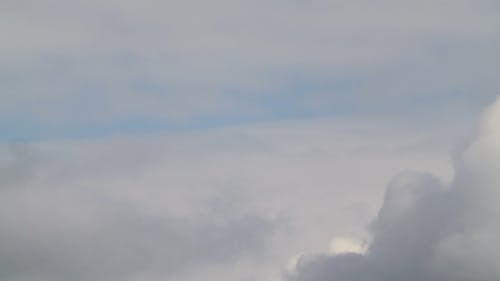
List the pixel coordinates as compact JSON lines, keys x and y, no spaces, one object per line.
{"x":426,"y":231}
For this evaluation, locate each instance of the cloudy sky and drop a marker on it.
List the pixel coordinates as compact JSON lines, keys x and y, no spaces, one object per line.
{"x":320,"y":140}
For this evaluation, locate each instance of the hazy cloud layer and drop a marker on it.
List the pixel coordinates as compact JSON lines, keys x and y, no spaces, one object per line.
{"x":55,"y":230}
{"x":147,"y":61}
{"x":426,"y":230}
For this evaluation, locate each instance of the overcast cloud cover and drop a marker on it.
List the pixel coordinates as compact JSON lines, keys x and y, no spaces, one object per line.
{"x":249,"y":140}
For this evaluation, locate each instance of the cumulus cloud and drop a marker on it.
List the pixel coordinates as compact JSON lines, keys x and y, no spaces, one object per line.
{"x":52,"y":230}
{"x":427,"y":230}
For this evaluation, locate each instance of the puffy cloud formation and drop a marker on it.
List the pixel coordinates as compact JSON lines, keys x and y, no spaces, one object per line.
{"x":427,"y":231}
{"x":52,"y":230}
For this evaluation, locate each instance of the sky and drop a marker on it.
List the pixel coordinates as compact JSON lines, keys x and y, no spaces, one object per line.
{"x":321,"y":140}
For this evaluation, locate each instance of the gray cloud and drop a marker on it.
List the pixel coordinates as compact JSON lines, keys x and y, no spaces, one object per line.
{"x":51,"y":231}
{"x":426,"y":230}
{"x":18,"y":167}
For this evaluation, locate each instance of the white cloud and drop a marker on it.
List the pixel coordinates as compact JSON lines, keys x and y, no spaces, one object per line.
{"x":342,"y":245}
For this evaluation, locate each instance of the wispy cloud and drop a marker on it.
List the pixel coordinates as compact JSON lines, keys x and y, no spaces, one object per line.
{"x":150,"y":61}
